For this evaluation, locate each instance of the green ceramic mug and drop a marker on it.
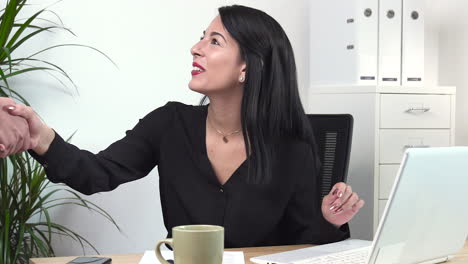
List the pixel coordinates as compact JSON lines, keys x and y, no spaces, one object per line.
{"x":195,"y":244}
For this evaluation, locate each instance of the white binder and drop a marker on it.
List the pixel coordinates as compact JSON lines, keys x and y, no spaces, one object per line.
{"x":367,"y":42}
{"x":343,"y":42}
{"x":390,"y":20}
{"x":413,"y":43}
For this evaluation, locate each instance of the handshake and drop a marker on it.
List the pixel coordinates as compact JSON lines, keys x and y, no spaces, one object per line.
{"x":21,"y":129}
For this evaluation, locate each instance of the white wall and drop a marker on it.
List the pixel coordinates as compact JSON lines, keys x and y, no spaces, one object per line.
{"x":150,"y":42}
{"x":453,"y":54}
{"x":448,"y":58}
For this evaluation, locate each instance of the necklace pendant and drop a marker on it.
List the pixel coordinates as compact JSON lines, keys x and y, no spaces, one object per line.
{"x":225,"y":139}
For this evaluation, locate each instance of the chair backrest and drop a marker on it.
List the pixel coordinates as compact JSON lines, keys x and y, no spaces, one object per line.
{"x":333,"y":134}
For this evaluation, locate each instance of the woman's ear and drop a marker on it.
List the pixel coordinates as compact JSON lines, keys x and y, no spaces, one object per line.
{"x":243,"y":68}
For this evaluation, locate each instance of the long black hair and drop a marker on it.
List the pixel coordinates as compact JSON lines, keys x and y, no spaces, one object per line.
{"x":271,"y":108}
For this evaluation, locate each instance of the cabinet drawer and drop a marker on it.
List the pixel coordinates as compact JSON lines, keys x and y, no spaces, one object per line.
{"x":414,"y":111}
{"x":387,"y":176}
{"x":382,"y":204}
{"x":394,"y":142}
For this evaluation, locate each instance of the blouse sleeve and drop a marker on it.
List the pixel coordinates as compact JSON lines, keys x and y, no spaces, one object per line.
{"x":127,"y":159}
{"x":304,"y":222}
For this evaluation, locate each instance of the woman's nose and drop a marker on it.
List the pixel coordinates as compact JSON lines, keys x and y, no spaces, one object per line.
{"x":196,"y":50}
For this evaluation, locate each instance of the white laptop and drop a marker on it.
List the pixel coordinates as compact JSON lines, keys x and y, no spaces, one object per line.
{"x":425,"y":220}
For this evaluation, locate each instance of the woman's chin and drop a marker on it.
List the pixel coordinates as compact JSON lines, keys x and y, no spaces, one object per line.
{"x":193,"y":87}
{"x":196,"y":88}
{"x":197,"y":85}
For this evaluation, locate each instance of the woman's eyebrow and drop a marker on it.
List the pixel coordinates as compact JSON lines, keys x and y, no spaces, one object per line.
{"x":214,"y":33}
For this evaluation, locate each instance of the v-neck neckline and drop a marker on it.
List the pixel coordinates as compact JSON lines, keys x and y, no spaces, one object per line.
{"x":208,"y":164}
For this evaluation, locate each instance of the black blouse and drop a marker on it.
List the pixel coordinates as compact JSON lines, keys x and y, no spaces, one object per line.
{"x":172,"y":137}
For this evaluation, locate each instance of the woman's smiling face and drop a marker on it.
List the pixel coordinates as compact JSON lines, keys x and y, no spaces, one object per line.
{"x":217,"y":63}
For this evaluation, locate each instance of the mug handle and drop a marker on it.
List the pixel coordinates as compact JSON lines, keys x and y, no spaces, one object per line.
{"x":158,"y":250}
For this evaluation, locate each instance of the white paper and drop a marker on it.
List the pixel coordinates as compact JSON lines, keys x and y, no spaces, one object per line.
{"x":229,"y":257}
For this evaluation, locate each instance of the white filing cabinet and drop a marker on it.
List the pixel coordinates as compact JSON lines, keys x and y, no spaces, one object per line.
{"x":387,"y":120}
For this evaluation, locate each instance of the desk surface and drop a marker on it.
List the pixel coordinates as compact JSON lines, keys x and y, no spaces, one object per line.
{"x":460,"y":258}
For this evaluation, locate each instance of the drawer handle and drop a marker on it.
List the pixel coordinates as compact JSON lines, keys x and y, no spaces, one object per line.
{"x":418,"y":109}
{"x":416,"y":146}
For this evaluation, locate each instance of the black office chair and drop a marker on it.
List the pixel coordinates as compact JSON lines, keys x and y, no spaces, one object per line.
{"x":333,"y":134}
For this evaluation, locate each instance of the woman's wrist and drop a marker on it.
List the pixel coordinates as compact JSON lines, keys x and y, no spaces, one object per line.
{"x":45,"y":139}
{"x":333,"y":224}
{"x":337,"y":226}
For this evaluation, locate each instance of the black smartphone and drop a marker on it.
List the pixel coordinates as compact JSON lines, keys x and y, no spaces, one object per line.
{"x":91,"y":260}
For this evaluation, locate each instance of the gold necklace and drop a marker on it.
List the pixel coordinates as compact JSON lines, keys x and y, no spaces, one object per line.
{"x":225,"y":139}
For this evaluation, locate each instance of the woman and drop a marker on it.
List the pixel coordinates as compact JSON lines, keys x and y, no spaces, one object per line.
{"x":245,"y":161}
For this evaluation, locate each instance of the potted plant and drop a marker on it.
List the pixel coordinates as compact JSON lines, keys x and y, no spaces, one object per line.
{"x":26,"y":195}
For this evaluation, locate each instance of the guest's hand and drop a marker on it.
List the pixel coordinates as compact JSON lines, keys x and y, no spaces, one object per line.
{"x":40,"y":135}
{"x":14,"y":131}
{"x":341,"y":204}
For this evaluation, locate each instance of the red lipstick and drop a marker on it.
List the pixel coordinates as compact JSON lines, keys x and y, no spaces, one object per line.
{"x":196,"y":72}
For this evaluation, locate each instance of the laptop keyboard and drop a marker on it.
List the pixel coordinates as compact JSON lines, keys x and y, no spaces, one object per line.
{"x":355,"y":256}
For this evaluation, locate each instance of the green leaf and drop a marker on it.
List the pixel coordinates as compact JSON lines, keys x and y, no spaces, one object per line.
{"x":74,"y":45}
{"x":4,"y":79}
{"x":6,"y":238}
{"x":22,"y":28}
{"x":2,"y":93}
{"x":59,"y":69}
{"x":30,"y":26}
{"x":70,"y":233}
{"x":17,"y":96}
{"x":27,"y":70}
{"x":45,"y":237}
{"x":20,"y":241}
{"x":43,"y":246}
{"x":13,"y":46}
{"x":6,"y":50}
{"x":7,"y":21}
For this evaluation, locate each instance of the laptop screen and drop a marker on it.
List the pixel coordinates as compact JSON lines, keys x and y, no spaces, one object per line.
{"x":426,"y":216}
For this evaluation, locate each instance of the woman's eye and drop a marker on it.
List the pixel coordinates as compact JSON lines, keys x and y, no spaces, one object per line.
{"x":201,"y":38}
{"x":214,"y":42}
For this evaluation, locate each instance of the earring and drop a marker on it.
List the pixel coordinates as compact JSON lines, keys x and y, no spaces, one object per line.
{"x":241,"y":79}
